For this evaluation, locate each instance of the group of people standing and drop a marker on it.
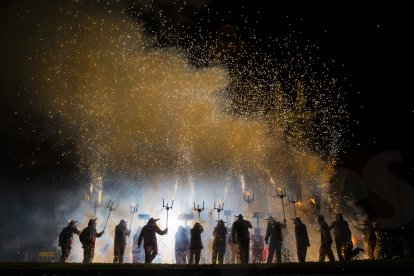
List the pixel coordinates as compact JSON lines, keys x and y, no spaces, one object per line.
{"x":188,"y":242}
{"x":87,"y":237}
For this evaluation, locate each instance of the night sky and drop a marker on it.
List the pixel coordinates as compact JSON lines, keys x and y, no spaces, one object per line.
{"x":367,"y":43}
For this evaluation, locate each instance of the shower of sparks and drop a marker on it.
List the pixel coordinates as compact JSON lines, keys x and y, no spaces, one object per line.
{"x":183,"y":107}
{"x":99,"y":196}
{"x":242,"y":183}
{"x":226,"y":190}
{"x":191,"y":182}
{"x":175,"y":187}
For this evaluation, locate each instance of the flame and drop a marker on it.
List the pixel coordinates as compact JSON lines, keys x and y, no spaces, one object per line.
{"x":272,"y":181}
{"x":99,"y":196}
{"x":191,"y":182}
{"x":313,"y":201}
{"x":299,"y":203}
{"x":242,"y":183}
{"x":91,"y":188}
{"x":353,"y":240}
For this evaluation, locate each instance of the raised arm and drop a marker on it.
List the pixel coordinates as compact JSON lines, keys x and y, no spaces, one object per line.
{"x":161,"y":232}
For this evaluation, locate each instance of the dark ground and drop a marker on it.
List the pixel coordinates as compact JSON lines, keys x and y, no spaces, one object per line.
{"x":394,"y":267}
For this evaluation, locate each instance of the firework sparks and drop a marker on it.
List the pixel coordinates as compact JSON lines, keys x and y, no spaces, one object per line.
{"x":136,"y":107}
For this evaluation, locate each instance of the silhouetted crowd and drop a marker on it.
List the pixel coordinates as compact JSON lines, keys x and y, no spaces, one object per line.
{"x":233,"y":243}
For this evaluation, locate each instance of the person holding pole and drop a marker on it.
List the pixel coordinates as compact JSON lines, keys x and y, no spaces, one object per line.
{"x":196,"y":243}
{"x":66,"y":238}
{"x":150,"y":240}
{"x":274,"y":232}
{"x":219,"y":243}
{"x":121,"y":232}
{"x":325,"y":249}
{"x":343,"y":237}
{"x":240,"y":234}
{"x":87,"y":238}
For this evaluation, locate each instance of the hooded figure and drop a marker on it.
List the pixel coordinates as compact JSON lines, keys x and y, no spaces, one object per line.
{"x":343,"y":237}
{"x":66,"y":239}
{"x":150,"y":240}
{"x":302,"y":239}
{"x":121,"y":232}
{"x":274,"y":232}
{"x":219,"y":242}
{"x":182,"y":244}
{"x":326,"y":241}
{"x":195,"y":243}
{"x":88,"y":237}
{"x":240,"y":234}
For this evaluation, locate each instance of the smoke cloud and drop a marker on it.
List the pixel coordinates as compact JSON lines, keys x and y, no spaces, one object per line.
{"x":147,"y":121}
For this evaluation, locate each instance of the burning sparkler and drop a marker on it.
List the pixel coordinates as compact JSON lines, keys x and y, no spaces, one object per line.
{"x":294,"y":202}
{"x":167,"y":208}
{"x":247,"y":199}
{"x":110,"y":207}
{"x":133,"y":210}
{"x":219,"y":208}
{"x":282,"y":194}
{"x":198,"y":209}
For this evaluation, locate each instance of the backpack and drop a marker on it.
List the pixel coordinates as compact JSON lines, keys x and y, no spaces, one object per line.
{"x":64,"y":236}
{"x":84,"y":235}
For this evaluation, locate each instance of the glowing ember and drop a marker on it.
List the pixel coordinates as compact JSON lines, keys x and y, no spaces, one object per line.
{"x":353,"y":240}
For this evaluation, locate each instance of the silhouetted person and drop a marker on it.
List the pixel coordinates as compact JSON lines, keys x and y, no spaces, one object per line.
{"x":121,"y":232}
{"x":88,"y":237}
{"x":138,"y":255}
{"x":66,"y":239}
{"x":257,"y":246}
{"x":150,"y":240}
{"x":302,"y":239}
{"x":370,"y":239}
{"x":326,"y":241}
{"x":343,"y":238}
{"x":274,"y":232}
{"x":182,"y":243}
{"x":240,"y":234}
{"x":219,"y":242}
{"x":196,"y":243}
{"x":233,"y":249}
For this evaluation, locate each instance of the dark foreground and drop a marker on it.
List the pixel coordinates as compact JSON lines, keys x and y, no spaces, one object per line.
{"x":337,"y":268}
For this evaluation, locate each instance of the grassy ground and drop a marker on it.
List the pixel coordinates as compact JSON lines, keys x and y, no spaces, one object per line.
{"x":338,"y":268}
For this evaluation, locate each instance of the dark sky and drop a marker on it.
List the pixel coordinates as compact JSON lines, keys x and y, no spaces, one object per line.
{"x":369,"y":39}
{"x":370,"y":42}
